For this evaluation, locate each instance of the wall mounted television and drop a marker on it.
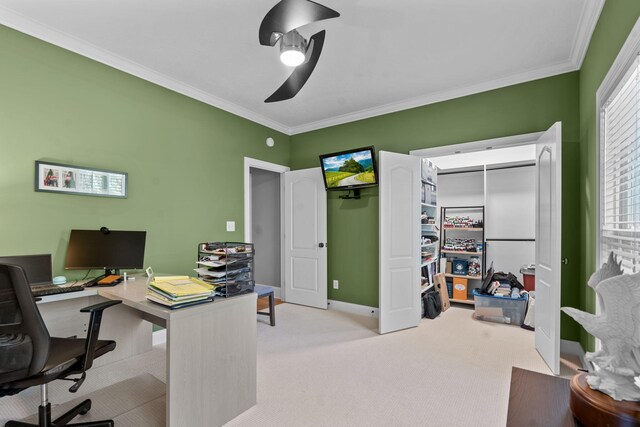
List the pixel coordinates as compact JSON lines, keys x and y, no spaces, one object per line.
{"x":350,"y":169}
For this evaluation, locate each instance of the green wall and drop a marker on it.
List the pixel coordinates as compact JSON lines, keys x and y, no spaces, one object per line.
{"x":523,"y":108}
{"x":184,"y":158}
{"x":616,"y":21}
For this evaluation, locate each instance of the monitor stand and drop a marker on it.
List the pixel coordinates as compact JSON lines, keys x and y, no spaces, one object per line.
{"x":107,"y":272}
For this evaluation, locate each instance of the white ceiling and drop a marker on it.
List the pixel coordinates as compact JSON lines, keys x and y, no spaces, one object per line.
{"x":498,"y":156}
{"x":379,"y":55}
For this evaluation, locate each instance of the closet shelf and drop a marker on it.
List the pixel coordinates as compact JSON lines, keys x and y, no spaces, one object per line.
{"x":463,"y":276}
{"x":462,"y":301}
{"x":444,"y":251}
{"x":426,"y":287}
{"x":464,"y":228}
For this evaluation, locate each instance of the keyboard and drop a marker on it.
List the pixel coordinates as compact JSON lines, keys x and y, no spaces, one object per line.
{"x":40,"y":291}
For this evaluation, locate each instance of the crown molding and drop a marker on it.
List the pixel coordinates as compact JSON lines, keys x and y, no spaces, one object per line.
{"x":66,"y":41}
{"x":553,"y":70}
{"x":588,"y":20}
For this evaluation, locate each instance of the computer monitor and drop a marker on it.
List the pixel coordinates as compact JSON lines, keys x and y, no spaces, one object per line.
{"x":105,"y":249}
{"x":37,"y":268}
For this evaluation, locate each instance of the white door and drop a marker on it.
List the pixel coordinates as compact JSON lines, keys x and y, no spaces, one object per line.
{"x":305,"y":238}
{"x":548,"y":245}
{"x":399,"y":291}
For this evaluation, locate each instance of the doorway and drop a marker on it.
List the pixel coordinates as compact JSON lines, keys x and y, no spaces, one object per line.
{"x":263,"y":193}
{"x":544,"y":221}
{"x":285,"y":216}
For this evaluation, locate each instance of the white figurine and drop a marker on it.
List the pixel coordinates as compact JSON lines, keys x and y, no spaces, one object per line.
{"x":617,"y":326}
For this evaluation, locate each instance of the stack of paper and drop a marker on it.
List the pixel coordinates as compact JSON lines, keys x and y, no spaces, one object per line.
{"x":179,"y":291}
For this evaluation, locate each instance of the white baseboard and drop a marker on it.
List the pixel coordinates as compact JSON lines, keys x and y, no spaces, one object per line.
{"x":574,"y":348}
{"x":347,"y":307}
{"x":276,"y":292}
{"x":159,"y":337}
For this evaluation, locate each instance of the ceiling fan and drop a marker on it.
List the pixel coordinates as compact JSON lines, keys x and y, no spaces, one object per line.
{"x":281,"y":24}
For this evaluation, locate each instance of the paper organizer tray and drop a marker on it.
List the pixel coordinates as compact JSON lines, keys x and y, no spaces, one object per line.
{"x":228,"y":265}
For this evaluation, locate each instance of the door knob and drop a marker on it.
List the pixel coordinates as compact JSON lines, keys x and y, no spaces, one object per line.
{"x":565,"y":261}
{"x":321,"y":245}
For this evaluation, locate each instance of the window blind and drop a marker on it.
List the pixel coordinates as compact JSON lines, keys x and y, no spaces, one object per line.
{"x":620,"y":172}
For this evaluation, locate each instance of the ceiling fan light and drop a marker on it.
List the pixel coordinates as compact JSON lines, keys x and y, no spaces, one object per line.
{"x":292,"y":49}
{"x":292,"y":58}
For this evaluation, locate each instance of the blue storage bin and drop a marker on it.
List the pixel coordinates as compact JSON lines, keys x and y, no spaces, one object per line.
{"x":500,"y":309}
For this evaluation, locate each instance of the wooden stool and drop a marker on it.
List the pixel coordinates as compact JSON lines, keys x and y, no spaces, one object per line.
{"x":267,"y":291}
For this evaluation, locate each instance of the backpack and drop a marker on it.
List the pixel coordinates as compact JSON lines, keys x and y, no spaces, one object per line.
{"x":432,"y":305}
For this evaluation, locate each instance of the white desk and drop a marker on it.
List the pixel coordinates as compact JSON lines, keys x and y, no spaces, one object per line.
{"x":211,"y":348}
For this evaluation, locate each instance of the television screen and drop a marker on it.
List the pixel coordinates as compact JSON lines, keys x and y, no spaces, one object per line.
{"x":89,"y":249}
{"x":350,"y":169}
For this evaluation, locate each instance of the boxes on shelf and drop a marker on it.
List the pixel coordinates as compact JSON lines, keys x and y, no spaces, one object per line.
{"x":429,"y":194}
{"x":500,"y":309}
{"x":459,"y":266}
{"x":460,"y":286}
{"x":429,"y":171}
{"x":450,"y":288}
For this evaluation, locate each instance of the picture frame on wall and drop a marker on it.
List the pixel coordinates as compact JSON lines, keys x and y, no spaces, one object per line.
{"x":84,"y":181}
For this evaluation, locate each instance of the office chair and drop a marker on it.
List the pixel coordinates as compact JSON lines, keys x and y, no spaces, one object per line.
{"x":30,"y":357}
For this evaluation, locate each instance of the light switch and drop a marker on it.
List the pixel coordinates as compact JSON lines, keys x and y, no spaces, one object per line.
{"x":231,"y":226}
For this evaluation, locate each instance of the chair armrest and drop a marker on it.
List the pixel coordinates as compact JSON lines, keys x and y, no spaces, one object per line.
{"x":94,"y":329}
{"x":100,"y":306}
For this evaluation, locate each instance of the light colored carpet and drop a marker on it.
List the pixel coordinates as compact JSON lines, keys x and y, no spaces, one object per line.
{"x":326,"y":368}
{"x":136,"y":402}
{"x":26,"y":403}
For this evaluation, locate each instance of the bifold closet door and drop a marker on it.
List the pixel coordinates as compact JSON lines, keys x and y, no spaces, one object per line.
{"x":399,"y":286}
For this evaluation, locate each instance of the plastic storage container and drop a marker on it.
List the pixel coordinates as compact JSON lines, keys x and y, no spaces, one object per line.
{"x":500,"y":309}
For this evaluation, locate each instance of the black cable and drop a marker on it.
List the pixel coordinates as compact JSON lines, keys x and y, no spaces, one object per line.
{"x":81,"y":280}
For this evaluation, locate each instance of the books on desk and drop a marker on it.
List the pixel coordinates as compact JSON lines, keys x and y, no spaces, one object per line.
{"x":179,"y":291}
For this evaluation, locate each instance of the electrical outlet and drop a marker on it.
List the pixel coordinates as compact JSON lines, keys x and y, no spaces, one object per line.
{"x":231,"y":226}
{"x":336,"y":285}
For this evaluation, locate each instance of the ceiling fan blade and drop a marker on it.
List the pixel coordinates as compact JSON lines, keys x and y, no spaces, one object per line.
{"x":301,"y":74}
{"x":288,"y":15}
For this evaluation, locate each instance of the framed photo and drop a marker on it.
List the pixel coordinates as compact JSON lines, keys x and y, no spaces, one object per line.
{"x":58,"y":178}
